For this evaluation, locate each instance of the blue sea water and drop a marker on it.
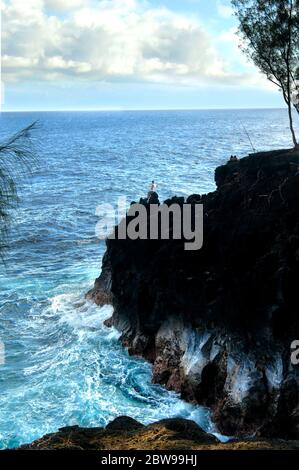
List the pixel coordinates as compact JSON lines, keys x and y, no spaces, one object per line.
{"x":62,"y":366}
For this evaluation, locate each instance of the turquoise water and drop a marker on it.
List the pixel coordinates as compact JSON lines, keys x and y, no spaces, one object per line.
{"x":62,"y":366}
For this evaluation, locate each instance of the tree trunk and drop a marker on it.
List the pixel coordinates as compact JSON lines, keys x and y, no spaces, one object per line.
{"x":291,"y":124}
{"x":288,"y":101}
{"x":289,"y":74}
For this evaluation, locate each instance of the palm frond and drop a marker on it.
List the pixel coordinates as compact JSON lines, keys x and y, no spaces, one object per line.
{"x":17,"y":159}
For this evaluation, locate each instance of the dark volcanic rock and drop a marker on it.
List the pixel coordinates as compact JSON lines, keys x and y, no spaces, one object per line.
{"x":123,"y":423}
{"x":217,"y":323}
{"x":127,"y":434}
{"x":101,"y":293}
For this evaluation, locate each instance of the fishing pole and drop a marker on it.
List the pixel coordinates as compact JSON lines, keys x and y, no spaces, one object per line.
{"x":248,"y":136}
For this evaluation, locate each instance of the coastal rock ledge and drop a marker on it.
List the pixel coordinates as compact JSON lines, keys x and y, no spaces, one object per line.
{"x":169,"y":434}
{"x":217,"y":324}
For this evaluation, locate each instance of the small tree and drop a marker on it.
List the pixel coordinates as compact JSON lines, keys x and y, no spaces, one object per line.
{"x":270,"y":33}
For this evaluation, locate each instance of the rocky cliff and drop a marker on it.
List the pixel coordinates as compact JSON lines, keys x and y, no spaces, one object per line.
{"x":217,"y":323}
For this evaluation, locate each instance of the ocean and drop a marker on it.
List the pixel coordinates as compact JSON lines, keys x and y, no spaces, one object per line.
{"x":62,"y":366}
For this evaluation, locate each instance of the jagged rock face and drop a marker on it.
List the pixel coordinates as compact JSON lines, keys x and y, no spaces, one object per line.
{"x":217,"y":323}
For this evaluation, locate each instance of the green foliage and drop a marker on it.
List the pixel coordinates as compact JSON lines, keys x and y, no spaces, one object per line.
{"x":270,"y":38}
{"x":16,"y":160}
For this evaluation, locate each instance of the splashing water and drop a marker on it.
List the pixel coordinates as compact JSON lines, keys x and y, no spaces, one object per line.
{"x":68,"y":368}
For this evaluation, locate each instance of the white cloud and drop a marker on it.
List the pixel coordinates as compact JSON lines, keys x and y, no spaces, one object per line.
{"x":123,"y":40}
{"x":63,"y":5}
{"x":237,"y":59}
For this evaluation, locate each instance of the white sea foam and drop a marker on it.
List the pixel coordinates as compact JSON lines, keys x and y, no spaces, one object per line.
{"x":77,"y":372}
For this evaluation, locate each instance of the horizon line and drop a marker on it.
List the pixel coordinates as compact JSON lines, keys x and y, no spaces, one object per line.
{"x":136,"y":109}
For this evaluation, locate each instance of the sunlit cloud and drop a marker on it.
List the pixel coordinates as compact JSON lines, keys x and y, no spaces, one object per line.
{"x":119,"y":40}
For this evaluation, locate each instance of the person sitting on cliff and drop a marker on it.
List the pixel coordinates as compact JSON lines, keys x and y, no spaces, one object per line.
{"x":153,"y":189}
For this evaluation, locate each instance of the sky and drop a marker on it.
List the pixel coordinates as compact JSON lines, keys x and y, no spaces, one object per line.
{"x":126,"y":54}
